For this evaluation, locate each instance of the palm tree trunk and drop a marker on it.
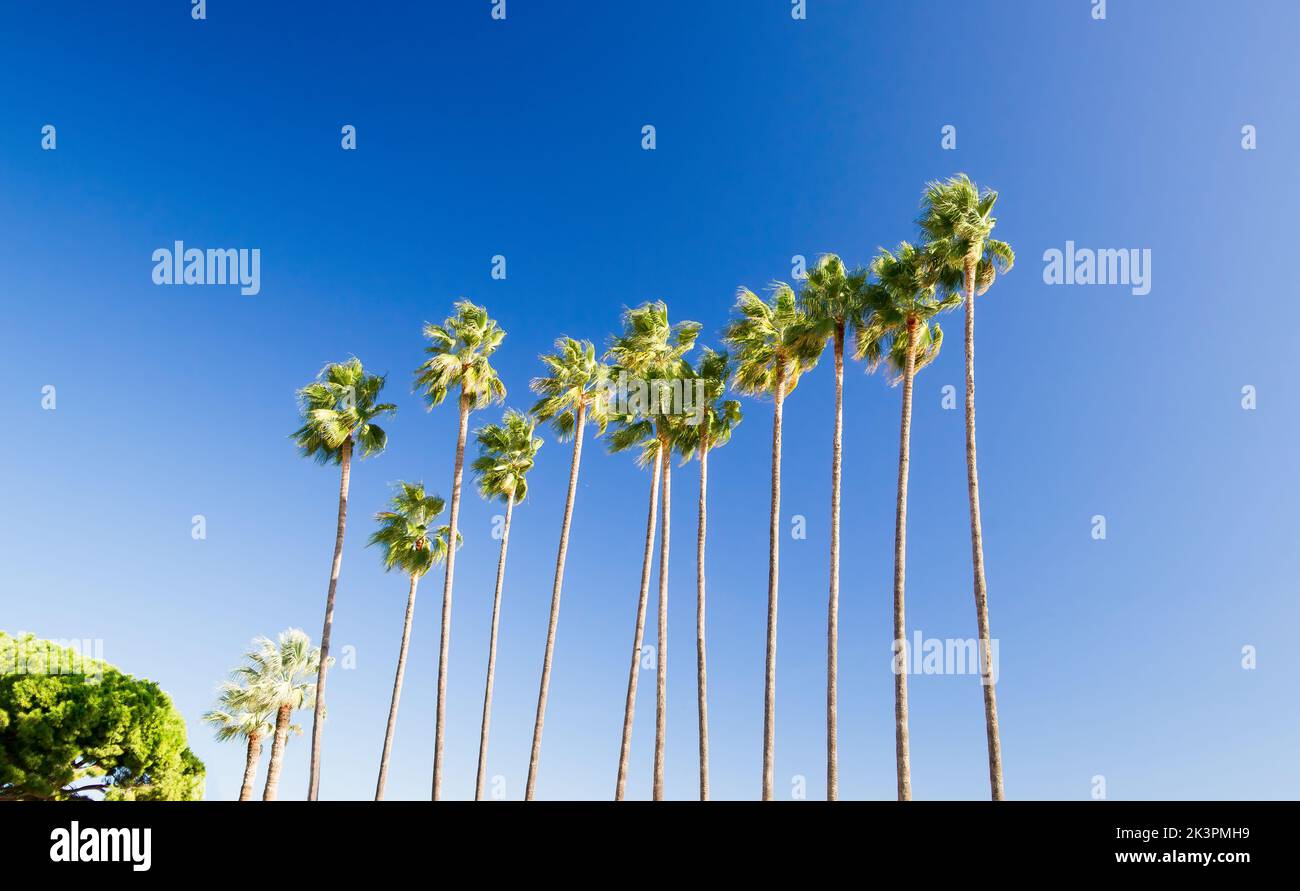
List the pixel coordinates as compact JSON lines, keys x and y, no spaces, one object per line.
{"x":277,"y":753}
{"x":318,"y":715}
{"x":445,"y":639}
{"x":977,"y":550}
{"x":833,"y":610}
{"x":250,"y":766}
{"x":701,"y":673}
{"x":901,"y":752}
{"x":639,"y":633}
{"x":397,"y":690}
{"x":774,"y":548}
{"x":661,"y":674}
{"x":535,"y":755}
{"x":492,"y":655}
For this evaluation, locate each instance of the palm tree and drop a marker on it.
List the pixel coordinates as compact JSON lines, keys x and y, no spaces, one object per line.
{"x":572,"y":395}
{"x":241,"y":714}
{"x":279,"y":674}
{"x":506,"y":454}
{"x":649,"y":353}
{"x":338,"y":410}
{"x":459,"y":350}
{"x":710,"y":429}
{"x":770,"y":359}
{"x":832,"y":300}
{"x":957,"y":218}
{"x":412,"y":544}
{"x":907,"y":292}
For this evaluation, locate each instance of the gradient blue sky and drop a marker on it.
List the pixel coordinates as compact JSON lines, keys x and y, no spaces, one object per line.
{"x":775,"y":137}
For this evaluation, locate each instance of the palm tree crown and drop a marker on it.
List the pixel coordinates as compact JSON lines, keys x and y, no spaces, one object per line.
{"x":507,"y":452}
{"x":718,"y":416}
{"x":908,"y":289}
{"x":277,"y":672}
{"x":957,"y":219}
{"x":339,"y":406}
{"x":240,"y":712}
{"x":833,"y":300}
{"x":410,"y":540}
{"x":577,"y":380}
{"x":652,"y":350}
{"x":767,"y":338}
{"x":459,"y":350}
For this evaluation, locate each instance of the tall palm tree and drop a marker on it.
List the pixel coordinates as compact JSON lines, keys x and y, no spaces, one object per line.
{"x":650,"y":351}
{"x":459,"y":350}
{"x":414,"y":545}
{"x":904,"y":297}
{"x":832,"y":300}
{"x":573,"y":394}
{"x":957,"y":218}
{"x":279,"y":673}
{"x":241,"y":714}
{"x":717,"y":417}
{"x":338,"y":410}
{"x":770,"y":358}
{"x":507,"y":452}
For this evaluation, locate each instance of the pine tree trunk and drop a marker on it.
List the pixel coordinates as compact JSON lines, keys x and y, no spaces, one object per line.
{"x":701,"y":672}
{"x":492,"y":655}
{"x":445,"y":639}
{"x":774,"y":548}
{"x":318,"y":715}
{"x":901,"y":751}
{"x":661,"y":674}
{"x":638,"y":634}
{"x":250,"y":766}
{"x":535,"y":756}
{"x":277,"y":753}
{"x":397,"y":690}
{"x":833,"y":610}
{"x":977,"y":550}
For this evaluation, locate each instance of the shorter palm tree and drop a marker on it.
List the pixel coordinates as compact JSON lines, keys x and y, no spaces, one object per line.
{"x":241,"y":714}
{"x":709,"y":429}
{"x":413,"y":545}
{"x":909,"y":290}
{"x":573,"y":394}
{"x":506,"y":454}
{"x":278,"y":674}
{"x":771,"y":356}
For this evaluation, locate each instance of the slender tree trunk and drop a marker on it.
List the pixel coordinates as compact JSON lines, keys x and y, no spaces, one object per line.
{"x":250,"y":766}
{"x":277,"y":753}
{"x":977,"y":550}
{"x":445,"y":640}
{"x":397,"y":690}
{"x":901,"y":752}
{"x":773,"y":574}
{"x":318,"y":715}
{"x":535,"y":755}
{"x":833,"y":610}
{"x":492,"y":655}
{"x":701,"y":669}
{"x":639,"y":633}
{"x":661,"y":673}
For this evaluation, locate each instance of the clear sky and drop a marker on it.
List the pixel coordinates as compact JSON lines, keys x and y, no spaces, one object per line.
{"x":1119,"y":658}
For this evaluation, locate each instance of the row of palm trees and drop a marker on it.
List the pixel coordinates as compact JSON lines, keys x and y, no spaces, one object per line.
{"x":885,"y":313}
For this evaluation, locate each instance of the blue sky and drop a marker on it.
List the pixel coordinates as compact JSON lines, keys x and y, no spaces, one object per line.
{"x":775,"y":137}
